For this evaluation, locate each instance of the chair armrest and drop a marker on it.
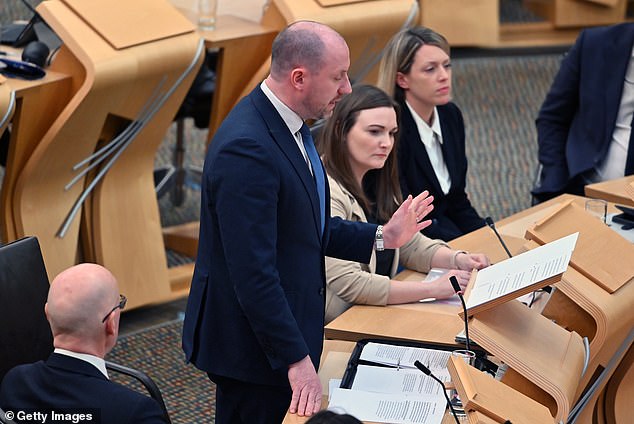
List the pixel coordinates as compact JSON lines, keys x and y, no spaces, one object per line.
{"x":144,"y":379}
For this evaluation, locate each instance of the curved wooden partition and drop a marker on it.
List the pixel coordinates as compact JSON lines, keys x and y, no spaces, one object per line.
{"x":131,"y":64}
{"x":7,"y":103}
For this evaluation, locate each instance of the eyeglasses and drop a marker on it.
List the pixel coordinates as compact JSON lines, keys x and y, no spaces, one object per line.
{"x":122,"y":301}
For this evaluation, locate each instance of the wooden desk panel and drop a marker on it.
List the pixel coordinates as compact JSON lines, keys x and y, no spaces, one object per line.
{"x":426,"y":322}
{"x":612,"y":191}
{"x":44,"y":98}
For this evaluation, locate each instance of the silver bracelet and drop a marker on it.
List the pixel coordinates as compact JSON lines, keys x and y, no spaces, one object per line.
{"x":454,"y":256}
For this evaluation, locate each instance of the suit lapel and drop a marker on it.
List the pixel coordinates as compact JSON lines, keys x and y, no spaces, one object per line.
{"x":448,"y":144}
{"x":412,"y":137}
{"x":281,"y":135}
{"x":616,"y":57}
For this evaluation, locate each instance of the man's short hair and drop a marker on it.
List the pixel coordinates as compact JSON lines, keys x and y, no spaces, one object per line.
{"x":295,"y":47}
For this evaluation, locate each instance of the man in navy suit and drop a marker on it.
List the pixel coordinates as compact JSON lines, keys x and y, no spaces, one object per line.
{"x":83,"y":310}
{"x":255,"y":314}
{"x":584,"y":125}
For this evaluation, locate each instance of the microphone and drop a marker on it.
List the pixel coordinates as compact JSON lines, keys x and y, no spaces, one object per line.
{"x":426,"y":371}
{"x":491,"y":225}
{"x":458,"y":290}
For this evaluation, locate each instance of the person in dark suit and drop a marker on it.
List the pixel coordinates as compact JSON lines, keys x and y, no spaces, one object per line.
{"x":255,"y":314}
{"x":416,"y":71}
{"x":83,"y":310}
{"x":584,"y":124}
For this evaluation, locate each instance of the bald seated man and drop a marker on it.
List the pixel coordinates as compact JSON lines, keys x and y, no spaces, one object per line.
{"x":83,"y":309}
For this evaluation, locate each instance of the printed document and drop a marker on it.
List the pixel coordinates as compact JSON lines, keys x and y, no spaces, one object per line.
{"x":389,"y":408}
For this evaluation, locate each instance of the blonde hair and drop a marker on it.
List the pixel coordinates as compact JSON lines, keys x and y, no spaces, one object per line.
{"x":400,"y":53}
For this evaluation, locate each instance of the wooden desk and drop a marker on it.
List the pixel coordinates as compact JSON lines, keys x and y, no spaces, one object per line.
{"x":612,"y":191}
{"x":44,"y":99}
{"x":333,"y":362}
{"x":243,"y":47}
{"x":431,"y":322}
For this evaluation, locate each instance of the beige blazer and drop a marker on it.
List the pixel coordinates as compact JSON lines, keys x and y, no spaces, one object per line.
{"x":349,"y":283}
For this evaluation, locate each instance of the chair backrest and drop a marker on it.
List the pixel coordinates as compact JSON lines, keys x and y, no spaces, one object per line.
{"x":25,"y":335}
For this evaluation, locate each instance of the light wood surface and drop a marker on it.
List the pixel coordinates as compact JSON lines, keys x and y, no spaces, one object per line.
{"x":479,"y":392}
{"x":107,"y":91}
{"x":43,"y":98}
{"x":613,"y":191}
{"x":579,"y":13}
{"x":463,"y":22}
{"x":545,"y":354}
{"x":593,"y":255}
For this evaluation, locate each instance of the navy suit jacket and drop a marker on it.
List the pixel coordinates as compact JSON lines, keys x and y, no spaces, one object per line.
{"x":256,"y":302}
{"x":62,"y":382}
{"x":453,"y":214}
{"x":577,"y":119}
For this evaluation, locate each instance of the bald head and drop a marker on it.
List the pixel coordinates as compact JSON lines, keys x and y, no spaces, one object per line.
{"x":78,"y":299}
{"x":302,"y":44}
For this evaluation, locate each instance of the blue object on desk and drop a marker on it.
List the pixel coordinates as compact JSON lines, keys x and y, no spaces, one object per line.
{"x":19,"y":69}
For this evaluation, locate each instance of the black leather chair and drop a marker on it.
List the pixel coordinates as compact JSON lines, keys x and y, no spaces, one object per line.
{"x":26,"y":337}
{"x":196,"y":105}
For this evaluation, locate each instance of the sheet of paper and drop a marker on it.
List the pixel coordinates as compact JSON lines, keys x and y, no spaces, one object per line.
{"x":404,"y":356}
{"x":389,"y":408}
{"x":333,"y":383}
{"x":522,"y":270}
{"x":403,"y":380}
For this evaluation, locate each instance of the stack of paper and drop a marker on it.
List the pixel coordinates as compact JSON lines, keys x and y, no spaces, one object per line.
{"x":394,"y":390}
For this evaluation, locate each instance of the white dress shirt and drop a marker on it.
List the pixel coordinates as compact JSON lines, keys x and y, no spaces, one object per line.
{"x":613,"y":165}
{"x":98,"y":362}
{"x":432,"y":140}
{"x":292,"y":120}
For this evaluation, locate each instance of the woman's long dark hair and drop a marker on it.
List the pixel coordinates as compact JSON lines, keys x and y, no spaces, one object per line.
{"x":382,"y":188}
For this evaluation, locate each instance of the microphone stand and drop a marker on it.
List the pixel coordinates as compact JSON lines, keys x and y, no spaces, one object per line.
{"x":491,"y":225}
{"x":428,"y":372}
{"x":458,"y":290}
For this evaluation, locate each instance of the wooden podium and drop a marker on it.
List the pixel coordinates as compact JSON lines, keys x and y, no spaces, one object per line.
{"x":595,"y":296}
{"x":86,"y":189}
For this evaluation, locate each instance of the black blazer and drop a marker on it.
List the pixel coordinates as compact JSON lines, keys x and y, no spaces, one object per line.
{"x":453,"y":214}
{"x":257,"y":298}
{"x":63,"y":382}
{"x":577,"y":119}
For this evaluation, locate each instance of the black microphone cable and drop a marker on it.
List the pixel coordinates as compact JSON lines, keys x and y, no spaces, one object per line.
{"x":491,"y":224}
{"x":427,"y":371}
{"x":458,"y":290}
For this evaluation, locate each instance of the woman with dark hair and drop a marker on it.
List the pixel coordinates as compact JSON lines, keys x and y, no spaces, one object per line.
{"x":416,"y":71}
{"x":358,"y":151}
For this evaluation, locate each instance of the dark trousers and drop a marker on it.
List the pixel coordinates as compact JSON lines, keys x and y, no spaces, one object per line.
{"x":239,"y":402}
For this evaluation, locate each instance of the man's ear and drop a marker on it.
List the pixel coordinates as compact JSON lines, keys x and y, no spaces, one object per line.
{"x":401,"y":81}
{"x":298,"y":78}
{"x":111,"y":325}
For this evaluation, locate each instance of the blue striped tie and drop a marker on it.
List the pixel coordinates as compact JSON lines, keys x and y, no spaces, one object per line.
{"x":318,"y":172}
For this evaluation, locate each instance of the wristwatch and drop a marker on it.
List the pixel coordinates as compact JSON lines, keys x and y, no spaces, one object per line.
{"x":378,"y":239}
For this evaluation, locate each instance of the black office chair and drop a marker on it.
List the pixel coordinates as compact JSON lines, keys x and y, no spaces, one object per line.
{"x":175,"y":177}
{"x":27,"y":337}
